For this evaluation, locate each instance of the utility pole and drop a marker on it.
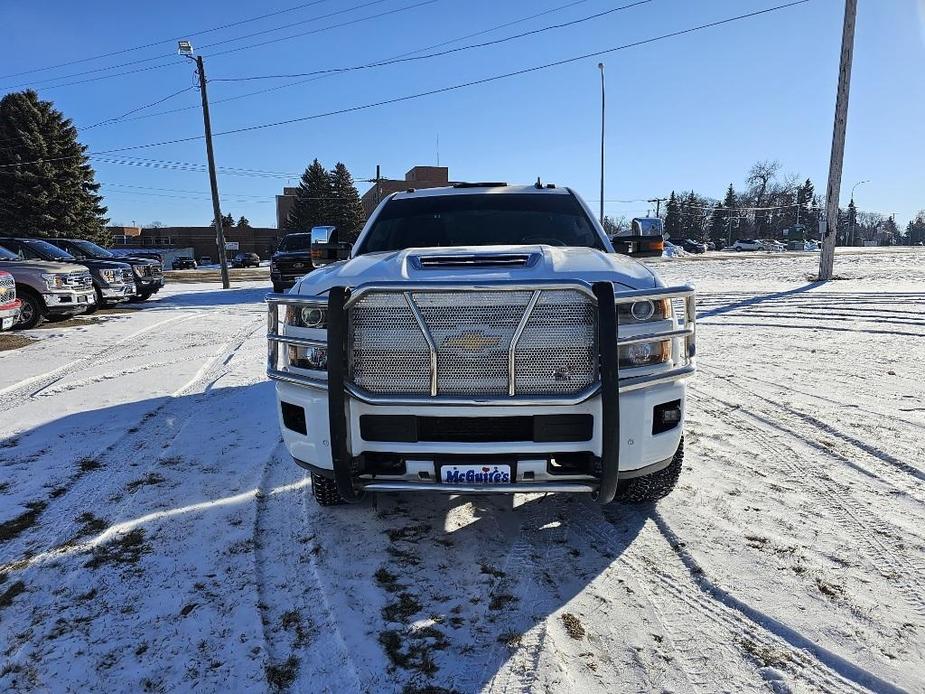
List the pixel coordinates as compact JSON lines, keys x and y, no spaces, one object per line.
{"x":186,"y":49}
{"x":658,"y":204}
{"x":600,"y":66}
{"x":836,"y":159}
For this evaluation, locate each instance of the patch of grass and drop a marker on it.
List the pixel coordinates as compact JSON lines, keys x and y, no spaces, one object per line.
{"x":281,"y":675}
{"x":445,"y":541}
{"x":573,"y":626}
{"x":4,"y":487}
{"x":511,"y":639}
{"x":405,"y":607}
{"x":830,"y":590}
{"x":413,"y":651}
{"x":765,"y":656}
{"x":756,"y":541}
{"x":57,"y":492}
{"x":410,"y":533}
{"x":10,"y":342}
{"x":171,"y":460}
{"x":89,"y":595}
{"x":188,"y":608}
{"x":7,"y":596}
{"x":387,"y":580}
{"x":403,"y":557}
{"x":292,"y":621}
{"x":127,"y":548}
{"x":25,"y":520}
{"x":501,"y":600}
{"x":492,"y":571}
{"x":11,"y":442}
{"x":89,"y":464}
{"x":92,"y":525}
{"x":151,"y":479}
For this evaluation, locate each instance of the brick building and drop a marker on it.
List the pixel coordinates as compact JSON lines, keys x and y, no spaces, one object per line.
{"x":259,"y":240}
{"x":418,"y":177}
{"x":284,"y":203}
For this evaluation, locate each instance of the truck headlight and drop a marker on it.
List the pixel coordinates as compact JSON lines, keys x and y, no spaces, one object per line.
{"x":55,"y":281}
{"x":645,"y":354}
{"x":306,"y":316}
{"x":314,"y":358}
{"x":644,"y":311}
{"x":110,"y":277}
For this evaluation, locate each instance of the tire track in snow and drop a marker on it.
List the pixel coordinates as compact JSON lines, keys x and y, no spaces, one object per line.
{"x":866,"y":530}
{"x":87,"y":490}
{"x":24,"y":391}
{"x":659,"y":569}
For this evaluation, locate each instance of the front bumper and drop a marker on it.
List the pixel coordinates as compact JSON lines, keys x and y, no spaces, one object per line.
{"x":328,"y":435}
{"x":69,"y":301}
{"x":116,"y":294}
{"x":9,"y":314}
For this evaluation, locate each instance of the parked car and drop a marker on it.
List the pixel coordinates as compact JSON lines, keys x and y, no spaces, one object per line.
{"x":183,"y":262}
{"x":456,"y":351}
{"x":48,"y":289}
{"x":246,"y":260}
{"x":773,"y":245}
{"x":812,"y":245}
{"x":292,"y":260}
{"x":205,"y":260}
{"x":147,"y":274}
{"x":747,"y":245}
{"x":113,"y":282}
{"x":692,"y":246}
{"x":9,"y":304}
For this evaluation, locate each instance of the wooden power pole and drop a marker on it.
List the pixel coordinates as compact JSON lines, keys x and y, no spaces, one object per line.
{"x":828,"y":227}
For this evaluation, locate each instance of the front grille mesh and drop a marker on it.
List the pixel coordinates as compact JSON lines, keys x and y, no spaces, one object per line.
{"x":472,"y":333}
{"x":7,"y":289}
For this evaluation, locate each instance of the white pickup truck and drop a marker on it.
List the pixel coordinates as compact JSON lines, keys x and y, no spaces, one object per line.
{"x":482,"y":338}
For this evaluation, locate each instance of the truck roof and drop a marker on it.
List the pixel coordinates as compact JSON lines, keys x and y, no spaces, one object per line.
{"x":475,"y":189}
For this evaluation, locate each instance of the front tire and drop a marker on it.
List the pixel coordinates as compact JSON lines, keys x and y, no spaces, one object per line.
{"x":325,"y":491}
{"x":650,"y":488}
{"x":97,"y":306}
{"x":30,"y":315}
{"x":138,"y":298}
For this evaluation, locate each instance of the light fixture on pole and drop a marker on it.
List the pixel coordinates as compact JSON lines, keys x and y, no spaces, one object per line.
{"x":185,"y":48}
{"x":600,"y":66}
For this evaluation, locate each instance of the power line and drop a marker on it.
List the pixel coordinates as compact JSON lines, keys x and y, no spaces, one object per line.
{"x":418,"y":50}
{"x":115,"y":119}
{"x":186,"y":35}
{"x":218,"y":43}
{"x":441,"y":90}
{"x":394,"y":61}
{"x":196,"y":167}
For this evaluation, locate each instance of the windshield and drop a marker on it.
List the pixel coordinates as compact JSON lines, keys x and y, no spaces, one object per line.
{"x":296,"y":242}
{"x":91,"y":249}
{"x":6,"y":255}
{"x":47,"y":250}
{"x":481,"y":220}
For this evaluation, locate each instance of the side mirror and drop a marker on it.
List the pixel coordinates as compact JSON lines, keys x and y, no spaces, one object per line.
{"x":325,"y":248}
{"x":645,"y":240}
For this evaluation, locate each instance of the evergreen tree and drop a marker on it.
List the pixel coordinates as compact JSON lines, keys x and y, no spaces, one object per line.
{"x":673,"y":217}
{"x":52,"y":190}
{"x":243,"y":223}
{"x":346,"y":210}
{"x":691,"y":217}
{"x":312,"y":205}
{"x":717,"y":228}
{"x":806,"y":196}
{"x":227,"y":221}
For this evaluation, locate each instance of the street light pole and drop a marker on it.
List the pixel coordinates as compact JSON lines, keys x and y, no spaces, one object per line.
{"x":851,"y":221}
{"x":600,"y":66}
{"x":185,"y":49}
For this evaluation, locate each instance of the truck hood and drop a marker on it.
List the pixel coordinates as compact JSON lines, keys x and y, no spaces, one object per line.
{"x":437,"y":265}
{"x":45,"y":266}
{"x":94,"y":264}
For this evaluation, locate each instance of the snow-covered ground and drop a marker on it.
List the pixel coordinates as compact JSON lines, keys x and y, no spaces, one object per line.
{"x":155,"y":537}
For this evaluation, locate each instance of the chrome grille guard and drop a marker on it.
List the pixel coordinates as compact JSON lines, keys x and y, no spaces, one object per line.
{"x":683,"y":367}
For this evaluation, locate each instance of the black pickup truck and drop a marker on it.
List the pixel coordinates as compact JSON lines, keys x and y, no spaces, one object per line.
{"x":147,"y":274}
{"x":292,"y":260}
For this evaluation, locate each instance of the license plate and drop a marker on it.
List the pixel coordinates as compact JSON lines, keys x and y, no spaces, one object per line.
{"x":7,"y":323}
{"x":475,"y":474}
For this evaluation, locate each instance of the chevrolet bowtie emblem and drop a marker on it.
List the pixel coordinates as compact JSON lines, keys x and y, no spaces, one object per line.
{"x":472,"y":341}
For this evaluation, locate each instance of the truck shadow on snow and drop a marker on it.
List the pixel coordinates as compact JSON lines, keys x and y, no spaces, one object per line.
{"x":440,"y":593}
{"x":151,"y":522}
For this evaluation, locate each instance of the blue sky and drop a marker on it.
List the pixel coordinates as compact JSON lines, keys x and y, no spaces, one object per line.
{"x":690,"y":112}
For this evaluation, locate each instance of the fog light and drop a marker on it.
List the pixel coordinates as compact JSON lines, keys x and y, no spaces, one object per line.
{"x":645,"y":354}
{"x":666,"y":416}
{"x":315,"y":358}
{"x":293,"y":417}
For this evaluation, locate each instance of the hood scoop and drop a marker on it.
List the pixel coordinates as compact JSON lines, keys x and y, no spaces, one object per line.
{"x":477,"y":260}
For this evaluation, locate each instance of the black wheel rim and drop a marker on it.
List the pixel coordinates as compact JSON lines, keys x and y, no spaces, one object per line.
{"x":26,"y":312}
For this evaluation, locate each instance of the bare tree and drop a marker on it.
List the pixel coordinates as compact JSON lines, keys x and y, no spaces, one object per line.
{"x":759,"y":177}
